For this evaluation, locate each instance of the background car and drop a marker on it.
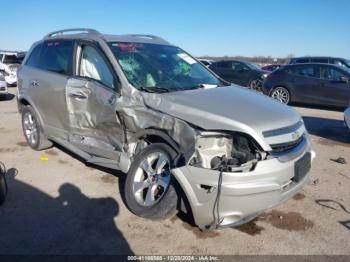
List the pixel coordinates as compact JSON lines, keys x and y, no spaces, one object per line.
{"x":205,"y":62}
{"x":240,"y":72}
{"x":9,"y":63}
{"x":321,"y":84}
{"x":319,"y":59}
{"x":3,"y":86}
{"x":271,"y":68}
{"x":347,"y":117}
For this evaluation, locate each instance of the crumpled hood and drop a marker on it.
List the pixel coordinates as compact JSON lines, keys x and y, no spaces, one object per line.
{"x":225,"y":108}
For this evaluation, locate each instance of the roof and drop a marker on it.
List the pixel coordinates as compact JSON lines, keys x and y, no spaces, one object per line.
{"x":16,"y":53}
{"x":317,"y":57}
{"x":87,"y":33}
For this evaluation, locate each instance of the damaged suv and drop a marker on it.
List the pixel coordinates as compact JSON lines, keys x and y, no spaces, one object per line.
{"x":186,"y":139}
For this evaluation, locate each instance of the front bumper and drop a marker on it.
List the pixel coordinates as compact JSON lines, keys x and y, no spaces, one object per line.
{"x":243,"y":195}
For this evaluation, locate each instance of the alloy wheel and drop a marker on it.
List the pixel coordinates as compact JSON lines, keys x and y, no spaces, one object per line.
{"x":152,"y":179}
{"x":30,"y":128}
{"x":281,"y":94}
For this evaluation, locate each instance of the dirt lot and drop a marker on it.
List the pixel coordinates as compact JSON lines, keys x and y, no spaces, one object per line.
{"x":58,"y":205}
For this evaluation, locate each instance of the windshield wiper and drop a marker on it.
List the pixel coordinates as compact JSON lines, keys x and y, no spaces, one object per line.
{"x":155,"y":89}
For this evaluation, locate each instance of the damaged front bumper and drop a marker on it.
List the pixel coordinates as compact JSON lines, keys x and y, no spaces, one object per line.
{"x":243,"y":195}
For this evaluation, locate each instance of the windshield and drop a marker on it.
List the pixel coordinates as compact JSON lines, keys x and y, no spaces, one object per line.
{"x":347,"y":63}
{"x":13,"y":59}
{"x":161,"y":67}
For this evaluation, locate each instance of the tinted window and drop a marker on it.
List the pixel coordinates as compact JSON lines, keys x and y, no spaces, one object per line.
{"x":236,"y":66}
{"x":34,"y":58}
{"x":308,"y":71}
{"x":1,"y":57}
{"x":57,"y":56}
{"x":302,"y":61}
{"x":223,"y":64}
{"x":320,"y":60}
{"x":94,"y":66}
{"x":331,"y":74}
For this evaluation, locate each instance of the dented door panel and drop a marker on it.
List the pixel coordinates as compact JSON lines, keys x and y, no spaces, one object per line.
{"x":94,"y":126}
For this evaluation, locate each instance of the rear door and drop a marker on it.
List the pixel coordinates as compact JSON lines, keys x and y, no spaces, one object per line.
{"x":48,"y":71}
{"x":303,"y":81}
{"x":334,"y":90}
{"x":240,"y":73}
{"x":223,"y":69}
{"x":91,"y":102}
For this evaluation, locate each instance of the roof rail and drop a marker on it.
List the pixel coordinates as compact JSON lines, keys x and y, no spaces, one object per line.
{"x":78,"y":30}
{"x":147,"y":36}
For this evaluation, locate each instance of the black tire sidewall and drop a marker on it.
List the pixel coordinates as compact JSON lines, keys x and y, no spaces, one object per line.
{"x":3,"y":188}
{"x":164,"y":208}
{"x":29,"y":109}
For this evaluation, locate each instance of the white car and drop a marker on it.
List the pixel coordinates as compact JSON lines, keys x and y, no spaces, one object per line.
{"x":347,"y":117}
{"x":3,"y":86}
{"x":9,"y":63}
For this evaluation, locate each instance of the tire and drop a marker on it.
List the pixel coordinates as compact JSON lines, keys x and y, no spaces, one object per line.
{"x":148,"y":193}
{"x":3,"y":184}
{"x":32,"y":130}
{"x":281,"y":94}
{"x":256,"y":85}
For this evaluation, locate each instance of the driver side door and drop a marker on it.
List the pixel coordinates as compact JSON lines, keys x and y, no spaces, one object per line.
{"x":91,"y":97}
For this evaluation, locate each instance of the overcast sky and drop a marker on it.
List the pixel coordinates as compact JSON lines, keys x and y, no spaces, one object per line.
{"x":224,"y":27}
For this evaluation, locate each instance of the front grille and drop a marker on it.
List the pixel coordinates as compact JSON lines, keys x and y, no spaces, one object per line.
{"x":283,"y":130}
{"x":284,"y":147}
{"x":2,"y":88}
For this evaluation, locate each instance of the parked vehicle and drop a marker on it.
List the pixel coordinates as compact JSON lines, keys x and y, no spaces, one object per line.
{"x":321,"y":84}
{"x":347,"y":117}
{"x":139,"y":104}
{"x":240,"y":72}
{"x":9,"y":63}
{"x":3,"y":184}
{"x":3,"y":86}
{"x":321,"y":59}
{"x":205,"y":62}
{"x":271,"y":68}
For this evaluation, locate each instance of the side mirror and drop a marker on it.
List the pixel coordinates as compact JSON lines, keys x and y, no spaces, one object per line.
{"x":344,"y":79}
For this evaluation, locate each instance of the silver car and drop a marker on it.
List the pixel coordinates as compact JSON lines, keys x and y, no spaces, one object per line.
{"x":3,"y":86}
{"x":347,"y":117}
{"x":187,"y":139}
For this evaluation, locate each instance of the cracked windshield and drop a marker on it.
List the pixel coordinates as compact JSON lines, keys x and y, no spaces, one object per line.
{"x":160,"y":68}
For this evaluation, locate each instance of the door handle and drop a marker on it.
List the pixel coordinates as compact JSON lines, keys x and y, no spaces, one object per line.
{"x":34,"y":83}
{"x":78,"y":95}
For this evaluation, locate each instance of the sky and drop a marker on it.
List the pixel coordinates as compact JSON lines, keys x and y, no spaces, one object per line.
{"x":276,"y":28}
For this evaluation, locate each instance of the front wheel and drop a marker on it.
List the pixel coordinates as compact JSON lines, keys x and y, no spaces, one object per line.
{"x":149,"y":186}
{"x":281,"y":94}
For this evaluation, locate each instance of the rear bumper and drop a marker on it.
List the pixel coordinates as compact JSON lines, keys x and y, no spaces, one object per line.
{"x":243,"y":195}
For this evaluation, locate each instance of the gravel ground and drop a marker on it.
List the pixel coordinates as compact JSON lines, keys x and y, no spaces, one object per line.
{"x":58,"y":205}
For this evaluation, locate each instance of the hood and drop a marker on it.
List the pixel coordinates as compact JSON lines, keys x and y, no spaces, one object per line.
{"x":226,"y":108}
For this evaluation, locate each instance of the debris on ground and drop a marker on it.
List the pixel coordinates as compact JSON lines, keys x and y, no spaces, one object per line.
{"x":340,"y":160}
{"x":44,"y":158}
{"x":316,"y":181}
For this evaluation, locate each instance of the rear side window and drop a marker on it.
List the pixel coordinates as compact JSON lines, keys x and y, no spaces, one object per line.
{"x":223,"y":64}
{"x":302,"y":61}
{"x":320,"y":60}
{"x":57,"y":56}
{"x":34,"y":57}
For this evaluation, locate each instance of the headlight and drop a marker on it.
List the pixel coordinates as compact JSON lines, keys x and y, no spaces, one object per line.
{"x":235,"y":150}
{"x":264,"y":76}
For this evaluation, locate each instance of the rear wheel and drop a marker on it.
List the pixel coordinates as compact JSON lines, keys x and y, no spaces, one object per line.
{"x":32,"y":130}
{"x":256,"y":85}
{"x":281,"y":94}
{"x":149,"y":186}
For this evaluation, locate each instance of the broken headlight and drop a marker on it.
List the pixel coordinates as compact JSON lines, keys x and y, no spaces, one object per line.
{"x":231,"y":152}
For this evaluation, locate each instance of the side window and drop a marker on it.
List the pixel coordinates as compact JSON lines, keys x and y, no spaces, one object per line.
{"x":57,"y":56}
{"x":34,"y":57}
{"x":224,"y":64}
{"x":331,"y":74}
{"x":236,"y":66}
{"x":308,"y":71}
{"x":94,"y":66}
{"x":302,"y":61}
{"x":319,"y":60}
{"x":1,"y":56}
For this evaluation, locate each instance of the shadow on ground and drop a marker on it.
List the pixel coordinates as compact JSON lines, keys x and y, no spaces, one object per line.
{"x":32,"y":222}
{"x":7,"y":97}
{"x":331,"y":129}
